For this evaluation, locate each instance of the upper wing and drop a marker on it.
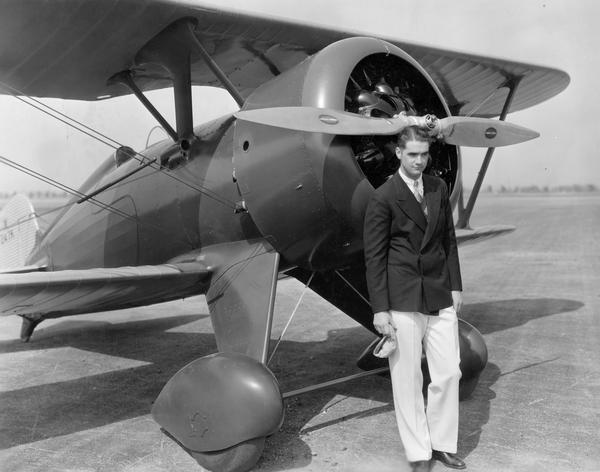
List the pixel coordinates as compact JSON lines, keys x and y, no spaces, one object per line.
{"x":69,"y":48}
{"x":69,"y":292}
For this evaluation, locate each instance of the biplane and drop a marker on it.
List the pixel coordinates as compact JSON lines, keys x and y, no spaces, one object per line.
{"x":225,"y":207}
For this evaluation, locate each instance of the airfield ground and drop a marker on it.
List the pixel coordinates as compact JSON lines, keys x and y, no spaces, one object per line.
{"x":78,"y":396}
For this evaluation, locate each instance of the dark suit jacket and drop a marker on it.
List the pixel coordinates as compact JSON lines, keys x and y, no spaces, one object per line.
{"x":412,"y":264}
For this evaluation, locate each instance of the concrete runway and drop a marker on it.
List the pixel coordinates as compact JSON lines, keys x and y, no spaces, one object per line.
{"x":78,"y":396}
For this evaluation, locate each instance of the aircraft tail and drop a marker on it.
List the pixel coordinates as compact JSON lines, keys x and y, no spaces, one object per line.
{"x":19,"y":232}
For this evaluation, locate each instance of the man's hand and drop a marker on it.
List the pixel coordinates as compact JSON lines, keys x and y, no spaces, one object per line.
{"x":382,"y":321}
{"x":457,"y":301}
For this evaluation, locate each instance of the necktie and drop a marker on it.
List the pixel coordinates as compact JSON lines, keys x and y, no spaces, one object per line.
{"x":419,"y":197}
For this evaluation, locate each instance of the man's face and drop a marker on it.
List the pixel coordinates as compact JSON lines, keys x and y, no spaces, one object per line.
{"x":413,"y":158}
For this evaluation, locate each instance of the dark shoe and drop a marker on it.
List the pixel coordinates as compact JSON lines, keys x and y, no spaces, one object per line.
{"x":448,"y":459}
{"x":420,"y":466}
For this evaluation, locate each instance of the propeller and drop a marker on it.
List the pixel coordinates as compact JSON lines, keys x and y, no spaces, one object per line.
{"x":456,"y":130}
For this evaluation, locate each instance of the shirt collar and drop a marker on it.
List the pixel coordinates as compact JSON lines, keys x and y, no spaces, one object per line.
{"x":411,"y":182}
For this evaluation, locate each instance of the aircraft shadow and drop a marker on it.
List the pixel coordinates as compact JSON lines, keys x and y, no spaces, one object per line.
{"x":65,"y":407}
{"x":489,"y":317}
{"x":80,"y":404}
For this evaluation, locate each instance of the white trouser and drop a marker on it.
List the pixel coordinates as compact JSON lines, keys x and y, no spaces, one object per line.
{"x":436,"y":427}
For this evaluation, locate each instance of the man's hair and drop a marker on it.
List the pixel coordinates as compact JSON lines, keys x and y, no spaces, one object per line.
{"x":412,"y":133}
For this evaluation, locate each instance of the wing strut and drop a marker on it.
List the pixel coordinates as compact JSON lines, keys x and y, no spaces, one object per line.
{"x":170,"y":49}
{"x":126,"y":78}
{"x":214,"y":67}
{"x":465,"y":215}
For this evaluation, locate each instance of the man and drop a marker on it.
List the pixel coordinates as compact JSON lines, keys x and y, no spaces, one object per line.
{"x":414,"y":282}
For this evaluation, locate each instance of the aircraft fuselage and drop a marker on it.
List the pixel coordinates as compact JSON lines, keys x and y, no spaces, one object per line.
{"x":155,"y":215}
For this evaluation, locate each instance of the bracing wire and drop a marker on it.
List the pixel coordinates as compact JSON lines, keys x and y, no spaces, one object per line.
{"x":483,"y":102}
{"x":62,"y":187}
{"x":75,"y":193}
{"x":34,"y":215}
{"x":291,"y":317}
{"x":115,"y":145}
{"x":81,"y":127}
{"x":352,"y":287}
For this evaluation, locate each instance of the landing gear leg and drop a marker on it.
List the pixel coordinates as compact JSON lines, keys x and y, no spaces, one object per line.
{"x":27,"y":327}
{"x":221,"y":407}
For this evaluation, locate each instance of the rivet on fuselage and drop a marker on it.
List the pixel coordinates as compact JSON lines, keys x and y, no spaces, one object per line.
{"x":299,"y":187}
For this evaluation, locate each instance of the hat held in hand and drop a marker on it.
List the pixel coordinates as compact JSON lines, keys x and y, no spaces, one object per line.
{"x":384,"y":347}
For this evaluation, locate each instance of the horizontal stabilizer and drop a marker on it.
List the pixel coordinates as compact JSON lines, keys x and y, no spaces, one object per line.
{"x":484,"y":232}
{"x":70,"y":292}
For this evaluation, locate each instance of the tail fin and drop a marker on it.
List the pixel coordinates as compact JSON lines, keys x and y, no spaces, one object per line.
{"x":19,"y":231}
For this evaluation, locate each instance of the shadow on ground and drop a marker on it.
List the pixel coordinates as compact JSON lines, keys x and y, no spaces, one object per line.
{"x":489,"y":317}
{"x":64,"y":408}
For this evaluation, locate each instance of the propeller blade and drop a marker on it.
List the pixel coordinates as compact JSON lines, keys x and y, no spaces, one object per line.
{"x":483,"y":132}
{"x":322,"y":120}
{"x":456,"y":130}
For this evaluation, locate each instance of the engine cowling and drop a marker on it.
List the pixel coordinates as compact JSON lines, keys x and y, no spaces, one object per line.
{"x":307,"y":192}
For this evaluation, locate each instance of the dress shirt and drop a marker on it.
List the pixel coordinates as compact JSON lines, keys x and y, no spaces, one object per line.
{"x":411,"y":185}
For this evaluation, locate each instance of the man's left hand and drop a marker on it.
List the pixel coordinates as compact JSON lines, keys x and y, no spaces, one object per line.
{"x":457,"y":301}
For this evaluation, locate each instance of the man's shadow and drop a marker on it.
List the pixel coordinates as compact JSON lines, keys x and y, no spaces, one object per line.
{"x":475,"y":411}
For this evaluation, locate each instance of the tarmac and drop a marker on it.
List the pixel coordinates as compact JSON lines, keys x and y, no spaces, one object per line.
{"x":77,"y":397}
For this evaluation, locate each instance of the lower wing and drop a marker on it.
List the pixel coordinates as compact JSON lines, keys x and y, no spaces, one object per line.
{"x":70,"y":292}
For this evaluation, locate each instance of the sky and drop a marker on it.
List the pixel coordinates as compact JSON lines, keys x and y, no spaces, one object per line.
{"x":563,"y":34}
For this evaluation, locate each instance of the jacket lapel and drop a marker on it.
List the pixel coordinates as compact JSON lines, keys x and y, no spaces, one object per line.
{"x":433,"y":199}
{"x":408,"y":203}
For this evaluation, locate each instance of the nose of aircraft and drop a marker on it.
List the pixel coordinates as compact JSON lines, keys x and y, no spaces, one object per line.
{"x":303,"y":190}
